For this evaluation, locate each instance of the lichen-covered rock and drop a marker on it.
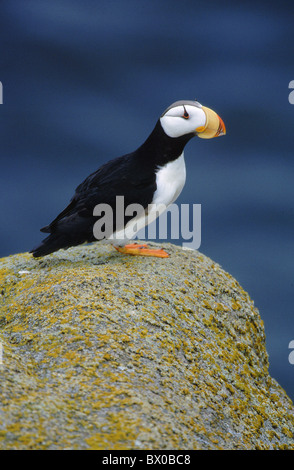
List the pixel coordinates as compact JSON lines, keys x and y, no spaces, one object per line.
{"x":109,"y":351}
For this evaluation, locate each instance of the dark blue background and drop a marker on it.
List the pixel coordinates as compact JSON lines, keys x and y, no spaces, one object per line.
{"x":84,"y":81}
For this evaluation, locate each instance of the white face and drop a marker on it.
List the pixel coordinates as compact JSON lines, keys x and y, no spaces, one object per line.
{"x":183,"y":118}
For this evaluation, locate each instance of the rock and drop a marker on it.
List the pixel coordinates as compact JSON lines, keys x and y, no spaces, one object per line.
{"x":109,"y":351}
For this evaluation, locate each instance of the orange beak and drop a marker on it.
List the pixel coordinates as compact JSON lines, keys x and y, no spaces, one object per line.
{"x":214,"y":125}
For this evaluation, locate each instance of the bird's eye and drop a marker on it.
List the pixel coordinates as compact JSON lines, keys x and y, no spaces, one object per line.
{"x":186,"y":114}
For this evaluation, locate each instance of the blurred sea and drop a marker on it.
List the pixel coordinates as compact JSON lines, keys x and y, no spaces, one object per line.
{"x":85,"y":81}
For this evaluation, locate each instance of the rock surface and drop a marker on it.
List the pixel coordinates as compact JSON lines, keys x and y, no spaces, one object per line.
{"x":109,"y":351}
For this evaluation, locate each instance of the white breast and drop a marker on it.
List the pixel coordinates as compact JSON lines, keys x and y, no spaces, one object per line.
{"x":170,"y":180}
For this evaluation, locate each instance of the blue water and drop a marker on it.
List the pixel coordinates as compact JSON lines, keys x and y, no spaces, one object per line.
{"x":85,"y":81}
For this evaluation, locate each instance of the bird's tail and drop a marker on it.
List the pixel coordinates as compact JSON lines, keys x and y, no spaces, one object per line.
{"x":50,"y":244}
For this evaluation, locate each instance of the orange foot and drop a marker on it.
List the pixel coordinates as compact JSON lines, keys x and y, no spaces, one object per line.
{"x":141,"y":250}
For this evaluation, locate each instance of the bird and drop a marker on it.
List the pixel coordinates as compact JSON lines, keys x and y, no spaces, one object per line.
{"x":152,"y":176}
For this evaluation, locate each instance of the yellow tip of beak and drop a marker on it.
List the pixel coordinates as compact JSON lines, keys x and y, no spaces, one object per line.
{"x":214,"y":126}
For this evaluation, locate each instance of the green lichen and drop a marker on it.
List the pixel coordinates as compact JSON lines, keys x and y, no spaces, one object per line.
{"x":106,"y":351}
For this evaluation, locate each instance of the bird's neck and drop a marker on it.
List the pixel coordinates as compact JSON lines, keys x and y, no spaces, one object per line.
{"x":161,"y":148}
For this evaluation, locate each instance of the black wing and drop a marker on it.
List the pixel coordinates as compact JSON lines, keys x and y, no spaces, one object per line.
{"x":124,"y":176}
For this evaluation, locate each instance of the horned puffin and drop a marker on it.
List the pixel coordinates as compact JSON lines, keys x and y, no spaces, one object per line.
{"x":151,"y":176}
